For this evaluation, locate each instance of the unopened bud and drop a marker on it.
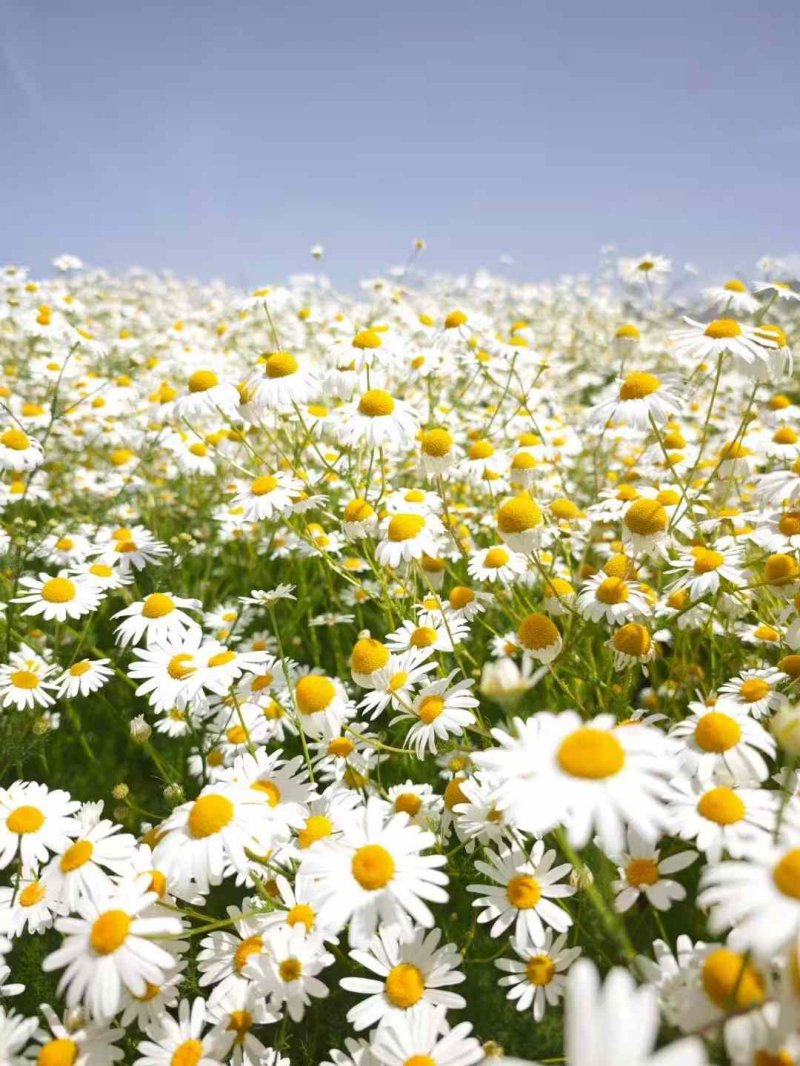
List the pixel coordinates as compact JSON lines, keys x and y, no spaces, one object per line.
{"x":581,"y":878}
{"x":120,"y":814}
{"x":173,"y":794}
{"x":120,"y":791}
{"x":140,"y":730}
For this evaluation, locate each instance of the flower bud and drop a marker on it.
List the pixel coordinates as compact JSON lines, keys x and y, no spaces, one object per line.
{"x":140,"y":730}
{"x":120,"y":791}
{"x":785,"y":727}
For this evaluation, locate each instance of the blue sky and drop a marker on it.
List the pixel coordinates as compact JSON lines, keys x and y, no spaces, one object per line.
{"x":223,"y":139}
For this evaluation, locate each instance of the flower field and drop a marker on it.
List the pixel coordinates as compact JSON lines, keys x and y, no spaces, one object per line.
{"x":400,"y":679}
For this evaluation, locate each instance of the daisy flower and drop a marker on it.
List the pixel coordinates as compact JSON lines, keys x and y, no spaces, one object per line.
{"x":612,"y":599}
{"x":640,"y":873}
{"x":282,"y":383}
{"x":497,"y":563}
{"x":646,"y":269}
{"x":440,"y":637}
{"x":15,"y":1032}
{"x":732,"y":295}
{"x":519,"y":523}
{"x":394,"y":683}
{"x":83,"y":678}
{"x":158,"y":618}
{"x":83,"y":869}
{"x":29,"y":904}
{"x":617,"y":1015}
{"x":234,"y":1016}
{"x":757,"y":898}
{"x":181,"y":1041}
{"x":537,"y":979}
{"x":437,"y":453}
{"x":109,"y":945}
{"x":375,"y":874}
{"x":58,"y":598}
{"x":414,"y":1038}
{"x":130,"y":549}
{"x":287,"y":971}
{"x":704,"y":342}
{"x":268,"y":496}
{"x":409,"y":972}
{"x":441,"y":710}
{"x":642,"y":398}
{"x":408,"y":536}
{"x":26,"y":681}
{"x":206,"y":394}
{"x":727,"y":743}
{"x":720,"y":818}
{"x":18,"y":451}
{"x":593,"y":776}
{"x":322,"y":705}
{"x":754,"y":691}
{"x":34,"y":822}
{"x":539,"y":638}
{"x":85,"y":1044}
{"x":377,"y":419}
{"x":200,"y":839}
{"x":522,"y":894}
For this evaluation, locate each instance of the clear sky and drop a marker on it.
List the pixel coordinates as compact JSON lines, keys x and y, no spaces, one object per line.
{"x":225,"y":138}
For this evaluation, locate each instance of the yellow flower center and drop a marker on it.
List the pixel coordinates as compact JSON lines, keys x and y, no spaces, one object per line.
{"x":317,"y":827}
{"x":454,"y":793}
{"x":481,"y":449}
{"x":423,"y":637}
{"x":290,"y":970}
{"x":405,"y":985}
{"x":157,"y":605}
{"x":281,"y":365}
{"x":189,"y":1053}
{"x":523,"y":892}
{"x":24,"y":820}
{"x":734,"y":285}
{"x":264,"y":484}
{"x":313,"y":693}
{"x":437,"y":443}
{"x":202,"y":381}
{"x":754,"y":689}
{"x":178,"y":667}
{"x":455,"y":319}
{"x":405,"y":527}
{"x":15,"y":439}
{"x":646,"y":518}
{"x":721,"y":805}
{"x":628,"y":331}
{"x":58,"y":590}
{"x":430,"y":708}
{"x":495,"y":558}
{"x":270,"y":790}
{"x":717,"y":732}
{"x":590,"y":753}
{"x":730,"y":982}
{"x":302,"y":913}
{"x":109,"y":931}
{"x":25,"y":679}
{"x":358,"y":511}
{"x":59,"y":1052}
{"x":537,"y":631}
{"x":376,"y":403}
{"x":341,"y":747}
{"x":209,"y":814}
{"x":240,"y":1022}
{"x":789,"y":524}
{"x":460,"y":597}
{"x":564,"y":510}
{"x":368,"y":655}
{"x":781,"y":570}
{"x":723,"y":329}
{"x":518,"y":515}
{"x":373,"y":867}
{"x":638,"y":384}
{"x":79,"y":669}
{"x":367,"y":339}
{"x":632,"y":639}
{"x":786,"y":874}
{"x":706,"y":560}
{"x":640,"y":872}
{"x":32,"y":894}
{"x":251,"y":945}
{"x":408,"y":803}
{"x":539,"y":970}
{"x":77,"y":855}
{"x":612,"y":590}
{"x":101,"y":570}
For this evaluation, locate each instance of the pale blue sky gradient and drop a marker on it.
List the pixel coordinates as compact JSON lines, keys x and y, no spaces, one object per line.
{"x":223,"y":139}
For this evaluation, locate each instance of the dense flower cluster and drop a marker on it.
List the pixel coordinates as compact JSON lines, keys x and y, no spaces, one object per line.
{"x":378,"y":672}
